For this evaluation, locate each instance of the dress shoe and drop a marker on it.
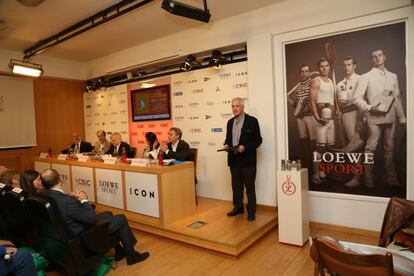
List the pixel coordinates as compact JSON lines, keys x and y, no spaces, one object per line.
{"x":251,"y":217}
{"x":235,"y":212}
{"x":136,"y":257}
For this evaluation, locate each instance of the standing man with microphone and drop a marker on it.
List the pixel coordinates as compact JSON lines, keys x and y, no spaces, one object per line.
{"x":243,"y":138}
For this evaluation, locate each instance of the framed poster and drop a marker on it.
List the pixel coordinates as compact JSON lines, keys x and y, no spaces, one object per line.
{"x":346,"y":97}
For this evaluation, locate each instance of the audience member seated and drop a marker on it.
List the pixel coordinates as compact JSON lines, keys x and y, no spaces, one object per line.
{"x":102,"y":145}
{"x":30,"y":182}
{"x":78,"y":214}
{"x":118,"y":147}
{"x":78,"y":145}
{"x":15,"y":263}
{"x":152,"y":144}
{"x":10,"y":178}
{"x":176,"y":148}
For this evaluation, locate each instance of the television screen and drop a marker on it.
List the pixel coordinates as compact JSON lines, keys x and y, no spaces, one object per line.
{"x":151,"y":104}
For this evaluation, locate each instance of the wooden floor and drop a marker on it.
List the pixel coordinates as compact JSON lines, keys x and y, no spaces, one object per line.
{"x":230,"y":235}
{"x":266,"y":257}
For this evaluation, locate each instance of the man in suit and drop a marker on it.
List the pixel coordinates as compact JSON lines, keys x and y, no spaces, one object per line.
{"x":79,"y":214}
{"x":243,"y":138}
{"x":78,"y":145}
{"x":102,"y":145}
{"x":176,"y":148}
{"x":118,"y":146}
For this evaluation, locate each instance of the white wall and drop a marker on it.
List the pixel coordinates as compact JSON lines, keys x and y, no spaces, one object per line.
{"x":257,"y":27}
{"x":52,"y":67}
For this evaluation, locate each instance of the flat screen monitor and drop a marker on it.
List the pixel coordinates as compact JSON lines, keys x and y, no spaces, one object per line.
{"x":151,"y":104}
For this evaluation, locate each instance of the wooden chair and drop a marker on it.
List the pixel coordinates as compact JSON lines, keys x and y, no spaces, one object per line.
{"x":331,"y":257}
{"x":194,"y":154}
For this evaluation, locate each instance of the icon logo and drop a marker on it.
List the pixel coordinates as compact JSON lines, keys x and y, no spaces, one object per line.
{"x":288,"y":187}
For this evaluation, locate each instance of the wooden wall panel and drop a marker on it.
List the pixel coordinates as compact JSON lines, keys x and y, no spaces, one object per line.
{"x":59,"y":113}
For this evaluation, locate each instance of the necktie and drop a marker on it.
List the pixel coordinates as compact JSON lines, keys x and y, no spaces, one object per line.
{"x":77,"y":148}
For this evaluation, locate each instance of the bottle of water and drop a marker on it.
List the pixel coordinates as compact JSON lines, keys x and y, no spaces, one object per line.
{"x":123,"y":157}
{"x":49,"y":152}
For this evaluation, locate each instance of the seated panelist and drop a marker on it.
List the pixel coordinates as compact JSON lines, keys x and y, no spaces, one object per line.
{"x":78,"y":145}
{"x":176,"y":148}
{"x":118,"y":146}
{"x":102,"y":145}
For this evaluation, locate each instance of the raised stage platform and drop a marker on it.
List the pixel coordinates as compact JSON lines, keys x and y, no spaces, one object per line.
{"x":229,"y":235}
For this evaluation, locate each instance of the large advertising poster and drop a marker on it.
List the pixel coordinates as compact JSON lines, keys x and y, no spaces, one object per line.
{"x":346,"y":97}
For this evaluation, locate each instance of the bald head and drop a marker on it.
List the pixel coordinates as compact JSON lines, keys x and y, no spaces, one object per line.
{"x":50,"y":178}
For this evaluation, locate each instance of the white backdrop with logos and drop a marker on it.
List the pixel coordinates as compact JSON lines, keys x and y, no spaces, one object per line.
{"x":201,"y":107}
{"x":106,"y":109}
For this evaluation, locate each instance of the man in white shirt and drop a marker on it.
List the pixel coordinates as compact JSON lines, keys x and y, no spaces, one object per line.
{"x":381,"y":122}
{"x":102,"y":145}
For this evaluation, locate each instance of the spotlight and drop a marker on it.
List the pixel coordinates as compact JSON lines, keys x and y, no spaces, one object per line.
{"x":216,"y":60}
{"x":25,"y":68}
{"x":190,"y":61}
{"x":185,"y":10}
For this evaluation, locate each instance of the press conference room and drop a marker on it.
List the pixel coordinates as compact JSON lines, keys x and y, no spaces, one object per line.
{"x":164,"y":137}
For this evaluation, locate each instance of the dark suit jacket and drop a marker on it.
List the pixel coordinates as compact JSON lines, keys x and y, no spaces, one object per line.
{"x":78,"y":216}
{"x":121,"y":146}
{"x":84,"y":147}
{"x":181,"y":154}
{"x":250,"y":138}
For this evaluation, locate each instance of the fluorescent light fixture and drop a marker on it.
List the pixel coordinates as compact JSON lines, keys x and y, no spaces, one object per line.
{"x":25,"y":68}
{"x":147,"y":85}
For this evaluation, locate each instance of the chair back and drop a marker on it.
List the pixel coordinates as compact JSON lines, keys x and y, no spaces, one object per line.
{"x":398,"y":213}
{"x":329,"y":255}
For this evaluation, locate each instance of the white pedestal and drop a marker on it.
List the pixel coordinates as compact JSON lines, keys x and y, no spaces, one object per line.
{"x":293,"y":206}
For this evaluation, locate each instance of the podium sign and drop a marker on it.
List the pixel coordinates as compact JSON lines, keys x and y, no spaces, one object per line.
{"x":142,"y":193}
{"x":64,"y":173}
{"x":109,"y":188}
{"x":41,"y":166}
{"x":293,"y":206}
{"x":82,"y":180}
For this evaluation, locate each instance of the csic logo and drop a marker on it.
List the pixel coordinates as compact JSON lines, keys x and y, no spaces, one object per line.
{"x":198,"y":91}
{"x":216,"y":129}
{"x":226,"y":115}
{"x":164,"y":125}
{"x":240,"y":85}
{"x":88,"y":106}
{"x":180,"y":93}
{"x":192,"y":81}
{"x":177,"y":83}
{"x":134,"y":133}
{"x":209,"y":103}
{"x":140,"y":126}
{"x":195,"y":143}
{"x":195,"y":130}
{"x":151,"y":126}
{"x":207,"y":78}
{"x":141,"y":142}
{"x":194,"y":104}
{"x":212,"y":143}
{"x":224,"y":75}
{"x":208,"y":117}
{"x":179,"y":118}
{"x":82,"y":182}
{"x":178,"y":106}
{"x":114,"y":113}
{"x":226,"y":101}
{"x":240,"y":74}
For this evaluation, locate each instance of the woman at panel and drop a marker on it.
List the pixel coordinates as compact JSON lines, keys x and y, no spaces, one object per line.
{"x":152,"y":145}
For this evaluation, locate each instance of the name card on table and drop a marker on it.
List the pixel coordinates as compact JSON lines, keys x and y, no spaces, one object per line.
{"x":17,"y":190}
{"x":83,"y":158}
{"x":110,"y":160}
{"x":140,"y":162}
{"x":43,"y":155}
{"x":62,"y":156}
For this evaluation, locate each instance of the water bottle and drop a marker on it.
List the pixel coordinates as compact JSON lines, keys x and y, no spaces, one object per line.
{"x":49,"y":152}
{"x":123,"y":157}
{"x":161,"y":159}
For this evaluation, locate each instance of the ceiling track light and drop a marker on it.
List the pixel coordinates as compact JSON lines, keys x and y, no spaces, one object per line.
{"x":217,"y":59}
{"x":25,"y":68}
{"x":186,"y":10}
{"x":189,"y":63}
